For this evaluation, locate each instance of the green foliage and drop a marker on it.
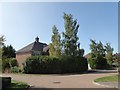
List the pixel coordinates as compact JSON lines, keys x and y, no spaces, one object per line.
{"x":65,"y":55}
{"x":47,"y":64}
{"x":109,"y":54}
{"x":5,"y":64}
{"x":2,"y":39}
{"x":108,"y":79}
{"x":98,"y":63}
{"x":69,"y":45}
{"x":51,"y":50}
{"x":97,"y":58}
{"x":8,"y":63}
{"x":70,"y":37}
{"x":14,"y":85}
{"x":55,"y":47}
{"x":8,"y":52}
{"x":42,"y":64}
{"x":74,"y":65}
{"x":17,"y":85}
{"x":13,"y":62}
{"x":16,"y":69}
{"x":0,"y":65}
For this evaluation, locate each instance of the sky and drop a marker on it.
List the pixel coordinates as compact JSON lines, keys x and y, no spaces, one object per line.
{"x":23,"y":21}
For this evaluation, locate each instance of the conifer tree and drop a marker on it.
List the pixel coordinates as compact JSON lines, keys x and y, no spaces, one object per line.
{"x":55,"y":46}
{"x":109,"y":53}
{"x":70,"y":37}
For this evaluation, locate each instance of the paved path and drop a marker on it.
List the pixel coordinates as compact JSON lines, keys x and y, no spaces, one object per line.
{"x":60,"y":81}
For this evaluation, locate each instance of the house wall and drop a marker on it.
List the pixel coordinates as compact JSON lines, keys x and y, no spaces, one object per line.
{"x":21,"y":57}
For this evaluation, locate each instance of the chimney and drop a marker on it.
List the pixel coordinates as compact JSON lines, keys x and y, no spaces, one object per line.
{"x":37,"y":39}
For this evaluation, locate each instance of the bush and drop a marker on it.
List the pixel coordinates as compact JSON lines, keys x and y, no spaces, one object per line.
{"x":5,"y":65}
{"x":16,"y":70}
{"x":98,"y":63}
{"x":48,"y":64}
{"x":13,"y":62}
{"x":8,"y":63}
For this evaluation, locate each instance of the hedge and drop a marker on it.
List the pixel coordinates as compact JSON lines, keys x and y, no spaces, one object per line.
{"x":54,"y":65}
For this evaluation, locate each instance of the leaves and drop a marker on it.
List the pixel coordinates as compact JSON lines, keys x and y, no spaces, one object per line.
{"x":99,"y":53}
{"x":56,"y":45}
{"x":109,"y":53}
{"x":8,"y":52}
{"x":69,"y":45}
{"x":2,"y":39}
{"x":70,"y":38}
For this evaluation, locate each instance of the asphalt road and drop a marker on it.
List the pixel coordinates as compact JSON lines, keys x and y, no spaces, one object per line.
{"x":61,"y":81}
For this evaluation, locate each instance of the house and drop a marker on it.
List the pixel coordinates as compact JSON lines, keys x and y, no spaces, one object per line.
{"x":87,"y":55}
{"x":33,"y":49}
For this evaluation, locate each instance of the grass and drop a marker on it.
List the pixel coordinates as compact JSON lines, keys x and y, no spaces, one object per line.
{"x":17,"y":85}
{"x":107,"y":79}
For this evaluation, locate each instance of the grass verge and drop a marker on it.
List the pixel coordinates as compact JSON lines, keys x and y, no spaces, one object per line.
{"x":17,"y":85}
{"x":107,"y":79}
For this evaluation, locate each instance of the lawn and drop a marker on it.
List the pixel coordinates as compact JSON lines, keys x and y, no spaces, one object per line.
{"x":16,"y":85}
{"x":107,"y":79}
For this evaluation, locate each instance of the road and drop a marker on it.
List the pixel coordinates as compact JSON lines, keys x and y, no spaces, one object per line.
{"x":60,"y":81}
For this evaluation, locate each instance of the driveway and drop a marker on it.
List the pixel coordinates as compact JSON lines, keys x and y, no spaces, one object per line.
{"x":61,"y":81}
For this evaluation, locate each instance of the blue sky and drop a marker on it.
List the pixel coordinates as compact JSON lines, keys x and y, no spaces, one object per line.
{"x":22,"y":22}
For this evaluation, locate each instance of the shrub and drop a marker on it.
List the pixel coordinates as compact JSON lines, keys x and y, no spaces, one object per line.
{"x":5,"y":65}
{"x":8,"y":63}
{"x":48,"y":64}
{"x":98,"y":63}
{"x":13,"y":62}
{"x":16,"y":70}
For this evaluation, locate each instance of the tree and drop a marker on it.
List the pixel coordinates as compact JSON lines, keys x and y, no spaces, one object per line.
{"x":109,"y":53}
{"x":70,"y":37}
{"x":101,"y":49}
{"x":55,"y":46}
{"x":97,"y":58}
{"x":2,"y":39}
{"x":8,"y":52}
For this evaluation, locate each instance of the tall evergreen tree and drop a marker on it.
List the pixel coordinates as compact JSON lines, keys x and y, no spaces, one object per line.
{"x":97,"y":49}
{"x":109,"y":53}
{"x":2,"y":39}
{"x":101,"y":49}
{"x":97,"y":56}
{"x":70,"y":37}
{"x":8,"y":52}
{"x":55,"y":46}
